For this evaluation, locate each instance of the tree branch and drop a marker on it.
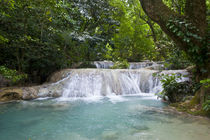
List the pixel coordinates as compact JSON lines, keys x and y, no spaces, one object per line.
{"x":195,"y":14}
{"x":161,"y":14}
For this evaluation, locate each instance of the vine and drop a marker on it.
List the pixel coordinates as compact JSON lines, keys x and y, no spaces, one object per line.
{"x":187,"y":32}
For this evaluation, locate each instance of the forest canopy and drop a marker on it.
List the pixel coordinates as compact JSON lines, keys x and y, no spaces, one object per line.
{"x":39,"y":37}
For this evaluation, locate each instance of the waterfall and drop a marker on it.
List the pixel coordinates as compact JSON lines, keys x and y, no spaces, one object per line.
{"x":132,"y":65}
{"x":94,"y":82}
{"x":106,"y":82}
{"x":103,"y":64}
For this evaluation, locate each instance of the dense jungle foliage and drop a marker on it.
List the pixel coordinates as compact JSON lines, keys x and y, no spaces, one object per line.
{"x":40,"y":37}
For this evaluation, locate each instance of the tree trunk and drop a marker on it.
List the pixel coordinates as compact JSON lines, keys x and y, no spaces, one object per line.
{"x":161,"y":14}
{"x":195,"y":10}
{"x":195,"y":13}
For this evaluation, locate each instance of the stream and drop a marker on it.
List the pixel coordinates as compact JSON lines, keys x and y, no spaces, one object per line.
{"x":100,"y":104}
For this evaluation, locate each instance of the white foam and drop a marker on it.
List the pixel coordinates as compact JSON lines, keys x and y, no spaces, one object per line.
{"x":116,"y":98}
{"x":43,"y":98}
{"x":94,"y":84}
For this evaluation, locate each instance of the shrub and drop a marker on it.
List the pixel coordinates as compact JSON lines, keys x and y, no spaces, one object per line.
{"x":121,"y":65}
{"x":12,"y":75}
{"x":177,"y":60}
{"x":206,"y":104}
{"x":174,"y":91}
{"x":205,"y":82}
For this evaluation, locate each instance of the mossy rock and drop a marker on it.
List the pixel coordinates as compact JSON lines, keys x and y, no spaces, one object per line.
{"x":191,"y":107}
{"x":18,"y":93}
{"x":10,"y":94}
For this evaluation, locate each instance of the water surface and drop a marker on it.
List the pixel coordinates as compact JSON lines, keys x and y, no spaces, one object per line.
{"x":97,"y":118}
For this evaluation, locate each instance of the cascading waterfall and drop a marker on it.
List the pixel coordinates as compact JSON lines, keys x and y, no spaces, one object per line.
{"x":106,"y":82}
{"x":133,"y":65}
{"x":103,"y":64}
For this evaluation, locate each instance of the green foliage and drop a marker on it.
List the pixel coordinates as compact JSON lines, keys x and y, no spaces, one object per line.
{"x":177,"y":59}
{"x":174,"y":91}
{"x":176,"y":5}
{"x":40,"y":37}
{"x":167,"y":79}
{"x":12,"y":75}
{"x":205,"y":82}
{"x":206,"y":105}
{"x":188,"y":32}
{"x":130,"y":41}
{"x":120,"y":65}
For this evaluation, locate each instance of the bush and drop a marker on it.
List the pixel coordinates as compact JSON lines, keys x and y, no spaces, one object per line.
{"x":121,"y":65}
{"x":12,"y":75}
{"x":206,"y":104}
{"x":205,"y":82}
{"x":177,"y":60}
{"x":174,"y":91}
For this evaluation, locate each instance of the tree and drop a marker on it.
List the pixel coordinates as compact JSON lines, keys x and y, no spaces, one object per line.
{"x":39,"y":37}
{"x":131,"y":41}
{"x":188,"y":30}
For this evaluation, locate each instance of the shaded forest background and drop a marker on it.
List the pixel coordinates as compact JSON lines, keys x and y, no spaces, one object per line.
{"x":39,"y":37}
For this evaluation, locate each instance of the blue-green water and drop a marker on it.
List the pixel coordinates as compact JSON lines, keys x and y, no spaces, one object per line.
{"x":116,"y":118}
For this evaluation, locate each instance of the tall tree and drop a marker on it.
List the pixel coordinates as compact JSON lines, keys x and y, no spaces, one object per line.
{"x":188,"y":30}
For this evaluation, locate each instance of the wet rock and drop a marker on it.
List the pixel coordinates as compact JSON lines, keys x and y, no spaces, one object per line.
{"x":56,"y":94}
{"x":30,"y":93}
{"x":19,"y":93}
{"x":59,"y":75}
{"x":9,"y":94}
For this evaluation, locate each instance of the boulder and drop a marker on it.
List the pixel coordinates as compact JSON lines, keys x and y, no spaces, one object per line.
{"x":9,"y":94}
{"x":18,"y":93}
{"x":30,"y":93}
{"x":57,"y":76}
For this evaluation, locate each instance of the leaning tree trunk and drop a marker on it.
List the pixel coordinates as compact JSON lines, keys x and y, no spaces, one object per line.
{"x":195,"y":14}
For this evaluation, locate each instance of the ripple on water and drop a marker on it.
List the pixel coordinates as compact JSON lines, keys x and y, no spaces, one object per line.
{"x":108,"y":118}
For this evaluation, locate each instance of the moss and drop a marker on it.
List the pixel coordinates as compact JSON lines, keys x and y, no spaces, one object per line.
{"x":191,"y":107}
{"x":194,"y":101}
{"x":198,"y":113}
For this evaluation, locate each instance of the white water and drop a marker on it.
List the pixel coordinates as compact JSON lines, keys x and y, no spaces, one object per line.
{"x":103,"y":64}
{"x":96,"y":83}
{"x":132,"y":65}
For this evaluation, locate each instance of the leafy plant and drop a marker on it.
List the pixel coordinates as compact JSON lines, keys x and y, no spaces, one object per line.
{"x":177,"y":59}
{"x":12,"y":75}
{"x":205,"y":82}
{"x":173,"y":90}
{"x":206,"y":105}
{"x":185,"y":30}
{"x":121,"y":65}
